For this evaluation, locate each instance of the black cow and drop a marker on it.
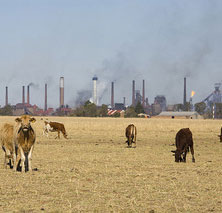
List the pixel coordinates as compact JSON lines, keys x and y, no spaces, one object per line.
{"x":184,"y":141}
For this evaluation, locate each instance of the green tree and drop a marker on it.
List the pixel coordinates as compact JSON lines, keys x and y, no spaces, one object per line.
{"x":102,"y":112}
{"x":218,"y":110}
{"x":90,"y":109}
{"x":130,"y":112}
{"x":139,"y":108}
{"x":200,"y":107}
{"x":6,"y":110}
{"x":178,"y":107}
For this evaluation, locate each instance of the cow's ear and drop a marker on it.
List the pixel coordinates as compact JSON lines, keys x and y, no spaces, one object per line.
{"x":33,"y":120}
{"x":18,"y":120}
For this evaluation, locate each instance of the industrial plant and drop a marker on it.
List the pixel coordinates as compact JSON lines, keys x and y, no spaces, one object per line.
{"x":139,"y":99}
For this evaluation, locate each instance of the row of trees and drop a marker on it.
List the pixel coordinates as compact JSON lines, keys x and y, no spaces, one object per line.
{"x":6,"y":110}
{"x":91,"y":110}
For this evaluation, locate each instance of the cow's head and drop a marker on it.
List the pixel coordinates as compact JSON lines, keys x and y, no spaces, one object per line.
{"x":177,"y":155}
{"x":25,"y":122}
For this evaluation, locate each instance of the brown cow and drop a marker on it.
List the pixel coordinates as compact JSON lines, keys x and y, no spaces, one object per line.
{"x":8,"y":144}
{"x":184,"y":141}
{"x":54,"y":127}
{"x":220,"y":136}
{"x":25,"y":139}
{"x":131,"y":133}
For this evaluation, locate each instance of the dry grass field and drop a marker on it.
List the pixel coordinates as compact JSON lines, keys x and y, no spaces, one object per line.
{"x":93,"y":171}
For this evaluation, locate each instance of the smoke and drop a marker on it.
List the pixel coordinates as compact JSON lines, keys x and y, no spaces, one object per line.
{"x":82,"y":97}
{"x":183,"y":40}
{"x":33,"y":85}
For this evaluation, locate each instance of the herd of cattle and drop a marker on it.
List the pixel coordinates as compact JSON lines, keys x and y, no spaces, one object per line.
{"x":18,"y":141}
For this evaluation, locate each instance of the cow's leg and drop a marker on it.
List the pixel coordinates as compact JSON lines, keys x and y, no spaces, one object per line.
{"x":184,"y":156}
{"x":5,"y":161}
{"x":192,"y":152}
{"x":58,"y":134}
{"x":22,"y":159}
{"x":130,"y":141}
{"x":14,"y":161}
{"x":185,"y":153}
{"x":30,"y":159}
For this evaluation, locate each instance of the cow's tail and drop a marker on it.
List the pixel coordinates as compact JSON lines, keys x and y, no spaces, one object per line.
{"x":26,"y":162}
{"x":135,"y":134}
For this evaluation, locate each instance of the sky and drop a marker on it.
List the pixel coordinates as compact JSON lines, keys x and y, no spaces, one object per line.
{"x":117,"y":40}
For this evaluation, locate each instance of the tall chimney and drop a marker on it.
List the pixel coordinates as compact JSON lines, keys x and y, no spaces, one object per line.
{"x":133,"y":94}
{"x":185,"y":93}
{"x":61,"y":91}
{"x":6,"y":96}
{"x":95,"y":101}
{"x":124,"y":101}
{"x":46,"y":97}
{"x":143,"y":98}
{"x":23,"y":94}
{"x":112,"y":95}
{"x":28,"y":95}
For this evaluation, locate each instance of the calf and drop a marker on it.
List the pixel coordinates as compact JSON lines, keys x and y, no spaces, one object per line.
{"x":131,"y":133}
{"x":54,"y":127}
{"x":184,"y":141}
{"x":25,"y":139}
{"x":220,"y":136}
{"x":8,"y":144}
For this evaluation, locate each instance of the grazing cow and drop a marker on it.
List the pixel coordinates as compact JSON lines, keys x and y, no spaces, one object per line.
{"x":25,"y":139}
{"x":220,"y":136}
{"x":54,"y":127}
{"x":131,"y":135}
{"x":184,"y":141}
{"x":8,"y":145}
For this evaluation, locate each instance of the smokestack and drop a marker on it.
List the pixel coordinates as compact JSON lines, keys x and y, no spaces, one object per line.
{"x":143,"y":98}
{"x":133,"y":94}
{"x":46,"y":97}
{"x":23,"y":94}
{"x":124,"y":101}
{"x":95,"y":90}
{"x":185,"y":93}
{"x":28,"y":95}
{"x":112,"y":95}
{"x":6,"y":96}
{"x":61,"y":91}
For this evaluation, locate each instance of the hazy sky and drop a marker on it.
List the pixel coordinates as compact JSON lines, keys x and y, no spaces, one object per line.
{"x":160,"y":41}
